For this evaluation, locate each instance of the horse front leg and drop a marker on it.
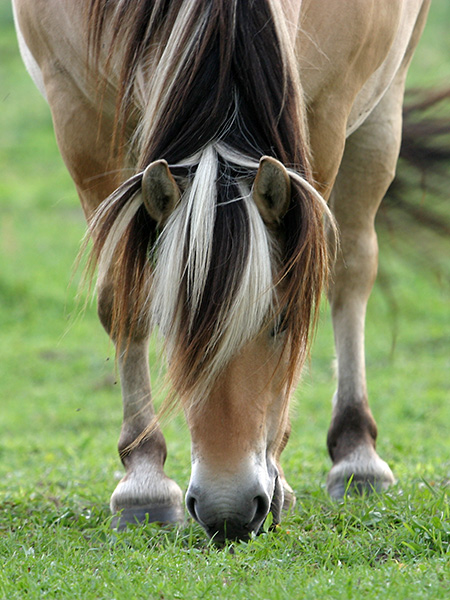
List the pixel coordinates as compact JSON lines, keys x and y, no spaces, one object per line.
{"x":84,"y":139}
{"x":352,"y":434}
{"x":367,"y":169}
{"x":145,"y":492}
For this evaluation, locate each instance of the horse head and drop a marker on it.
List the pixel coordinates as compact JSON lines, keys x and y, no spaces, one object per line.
{"x":237,"y":406}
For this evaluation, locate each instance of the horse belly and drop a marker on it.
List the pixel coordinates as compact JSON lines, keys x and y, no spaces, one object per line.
{"x":376,"y":86}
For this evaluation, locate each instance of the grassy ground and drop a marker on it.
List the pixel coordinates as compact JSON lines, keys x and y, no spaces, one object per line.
{"x":61,"y":413}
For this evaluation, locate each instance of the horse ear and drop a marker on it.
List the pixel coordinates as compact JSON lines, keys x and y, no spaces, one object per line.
{"x":160,"y":192}
{"x":272,"y":190}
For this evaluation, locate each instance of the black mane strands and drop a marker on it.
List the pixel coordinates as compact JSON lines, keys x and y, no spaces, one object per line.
{"x":216,"y":87}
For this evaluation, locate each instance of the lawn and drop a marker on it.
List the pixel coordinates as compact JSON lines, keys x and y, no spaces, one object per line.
{"x":61,"y":412}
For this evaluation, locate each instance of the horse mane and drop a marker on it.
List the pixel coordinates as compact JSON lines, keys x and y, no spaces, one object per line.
{"x":215,"y":86}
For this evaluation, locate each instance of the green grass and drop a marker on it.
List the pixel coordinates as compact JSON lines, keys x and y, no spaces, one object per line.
{"x":61,"y":413}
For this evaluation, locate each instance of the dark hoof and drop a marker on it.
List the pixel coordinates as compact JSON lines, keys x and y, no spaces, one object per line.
{"x":163,"y":515}
{"x":363,"y":472}
{"x":357,"y":485}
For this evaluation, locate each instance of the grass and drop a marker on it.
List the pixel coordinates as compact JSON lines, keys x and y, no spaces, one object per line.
{"x":395,"y":546}
{"x":61,"y":413}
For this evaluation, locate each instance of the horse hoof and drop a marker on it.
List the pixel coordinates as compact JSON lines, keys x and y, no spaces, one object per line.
{"x":363,"y":473}
{"x":164,"y":515}
{"x":356,"y":485}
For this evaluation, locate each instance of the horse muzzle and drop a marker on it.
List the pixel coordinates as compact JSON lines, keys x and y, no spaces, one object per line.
{"x":231,"y":507}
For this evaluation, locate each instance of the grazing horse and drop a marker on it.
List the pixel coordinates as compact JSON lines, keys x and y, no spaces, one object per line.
{"x":217,"y":147}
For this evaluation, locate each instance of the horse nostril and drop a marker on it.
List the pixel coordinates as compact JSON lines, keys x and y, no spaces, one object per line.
{"x":262,"y":506}
{"x":191,"y":502}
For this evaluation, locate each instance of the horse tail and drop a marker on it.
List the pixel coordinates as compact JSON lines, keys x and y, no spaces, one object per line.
{"x":216,"y":87}
{"x":417,"y":198}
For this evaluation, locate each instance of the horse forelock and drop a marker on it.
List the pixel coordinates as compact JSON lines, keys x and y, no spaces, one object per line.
{"x":218,"y":91}
{"x":212,"y":288}
{"x":216,"y":276}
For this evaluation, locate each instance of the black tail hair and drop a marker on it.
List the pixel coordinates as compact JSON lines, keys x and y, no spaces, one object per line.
{"x":417,"y":203}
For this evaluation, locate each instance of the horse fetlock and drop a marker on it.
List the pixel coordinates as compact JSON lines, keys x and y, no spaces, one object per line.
{"x":352,"y":426}
{"x":152,"y":449}
{"x":361,"y":471}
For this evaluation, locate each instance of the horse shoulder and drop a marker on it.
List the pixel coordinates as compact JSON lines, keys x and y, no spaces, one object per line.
{"x":53,"y":40}
{"x":52,"y":34}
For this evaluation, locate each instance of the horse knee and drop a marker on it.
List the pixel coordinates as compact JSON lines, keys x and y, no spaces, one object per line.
{"x":354,"y":272}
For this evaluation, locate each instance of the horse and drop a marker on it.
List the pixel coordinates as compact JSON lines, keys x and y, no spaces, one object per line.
{"x":230,"y":157}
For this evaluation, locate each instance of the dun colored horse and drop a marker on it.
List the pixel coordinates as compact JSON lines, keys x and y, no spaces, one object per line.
{"x":214,"y":145}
